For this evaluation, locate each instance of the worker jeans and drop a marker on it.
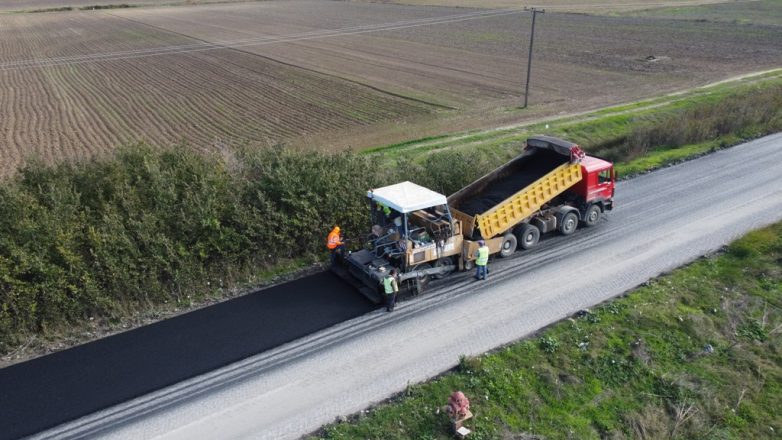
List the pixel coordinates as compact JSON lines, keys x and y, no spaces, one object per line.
{"x":390,"y":301}
{"x":335,"y":252}
{"x":480,"y":272}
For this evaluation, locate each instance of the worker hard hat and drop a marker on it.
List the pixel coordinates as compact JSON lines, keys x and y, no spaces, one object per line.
{"x":336,"y":228}
{"x":481,"y":242}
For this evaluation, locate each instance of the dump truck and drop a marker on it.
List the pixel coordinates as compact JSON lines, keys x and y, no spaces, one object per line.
{"x":552,"y":186}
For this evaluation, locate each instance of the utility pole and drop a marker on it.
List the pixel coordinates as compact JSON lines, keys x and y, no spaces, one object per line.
{"x":535,"y":12}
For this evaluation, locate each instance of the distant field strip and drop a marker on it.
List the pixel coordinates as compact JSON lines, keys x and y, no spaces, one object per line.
{"x":205,"y":46}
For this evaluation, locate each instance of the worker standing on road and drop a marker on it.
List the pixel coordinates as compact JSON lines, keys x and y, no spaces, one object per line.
{"x":391,"y":288}
{"x":335,"y":244}
{"x":481,"y":261}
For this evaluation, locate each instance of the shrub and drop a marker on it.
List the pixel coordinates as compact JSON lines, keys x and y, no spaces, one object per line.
{"x":752,"y":112}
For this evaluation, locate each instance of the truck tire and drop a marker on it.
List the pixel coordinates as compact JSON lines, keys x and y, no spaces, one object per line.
{"x":445,"y":261}
{"x":592,"y":215}
{"x":509,"y":243}
{"x":469,"y":265}
{"x":527,"y":235}
{"x":569,"y":223}
{"x":421,"y":281}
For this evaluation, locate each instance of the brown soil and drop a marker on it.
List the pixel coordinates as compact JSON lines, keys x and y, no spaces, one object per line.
{"x":76,"y":85}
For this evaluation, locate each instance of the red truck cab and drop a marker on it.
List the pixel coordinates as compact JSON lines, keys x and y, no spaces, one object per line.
{"x":597,"y":183}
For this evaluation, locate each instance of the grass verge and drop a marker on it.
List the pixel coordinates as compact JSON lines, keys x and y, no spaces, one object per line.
{"x":639,"y":136}
{"x":693,"y":354}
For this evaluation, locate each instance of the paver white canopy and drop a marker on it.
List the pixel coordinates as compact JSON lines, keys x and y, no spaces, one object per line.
{"x":407,"y":197}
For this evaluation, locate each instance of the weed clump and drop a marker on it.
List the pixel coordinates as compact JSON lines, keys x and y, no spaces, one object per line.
{"x":548,"y":344}
{"x":469,"y":364}
{"x":753,"y":330}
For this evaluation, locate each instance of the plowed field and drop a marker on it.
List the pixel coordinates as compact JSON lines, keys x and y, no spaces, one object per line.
{"x":310,"y":72}
{"x":57,"y":104}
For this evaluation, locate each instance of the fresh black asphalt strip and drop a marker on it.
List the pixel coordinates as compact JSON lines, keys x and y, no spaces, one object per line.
{"x":44,"y":392}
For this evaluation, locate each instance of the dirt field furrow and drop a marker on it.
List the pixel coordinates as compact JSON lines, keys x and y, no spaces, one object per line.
{"x":140,"y":110}
{"x":256,"y":96}
{"x":446,"y":66}
{"x":85,"y":119}
{"x":320,"y":74}
{"x":164,"y":109}
{"x":29,"y":138}
{"x":327,"y":98}
{"x":272,"y":95}
{"x":11,"y":102}
{"x":112,"y":119}
{"x":331,"y":107}
{"x":33,"y":107}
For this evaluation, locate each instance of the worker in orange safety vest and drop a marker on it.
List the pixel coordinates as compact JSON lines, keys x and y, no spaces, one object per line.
{"x":335,"y":244}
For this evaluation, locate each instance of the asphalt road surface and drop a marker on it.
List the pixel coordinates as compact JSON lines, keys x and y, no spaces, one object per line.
{"x":53,"y":389}
{"x":662,"y":220}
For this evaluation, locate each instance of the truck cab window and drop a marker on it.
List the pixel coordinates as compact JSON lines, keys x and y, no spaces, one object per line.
{"x":604,"y":176}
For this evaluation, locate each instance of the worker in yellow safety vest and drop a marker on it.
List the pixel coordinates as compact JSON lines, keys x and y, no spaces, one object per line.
{"x":386,"y":210}
{"x":390,"y":288}
{"x":334,"y":244}
{"x":481,"y":261}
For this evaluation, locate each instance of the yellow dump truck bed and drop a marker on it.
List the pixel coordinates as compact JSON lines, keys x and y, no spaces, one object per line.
{"x":526,"y":202}
{"x":515,"y":191}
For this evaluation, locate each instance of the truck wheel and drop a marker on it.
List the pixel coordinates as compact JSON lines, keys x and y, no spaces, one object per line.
{"x":423,"y":280}
{"x":469,"y":265}
{"x":569,"y":223}
{"x":445,"y":261}
{"x":592,"y":215}
{"x":528,"y":236}
{"x":508,"y":245}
